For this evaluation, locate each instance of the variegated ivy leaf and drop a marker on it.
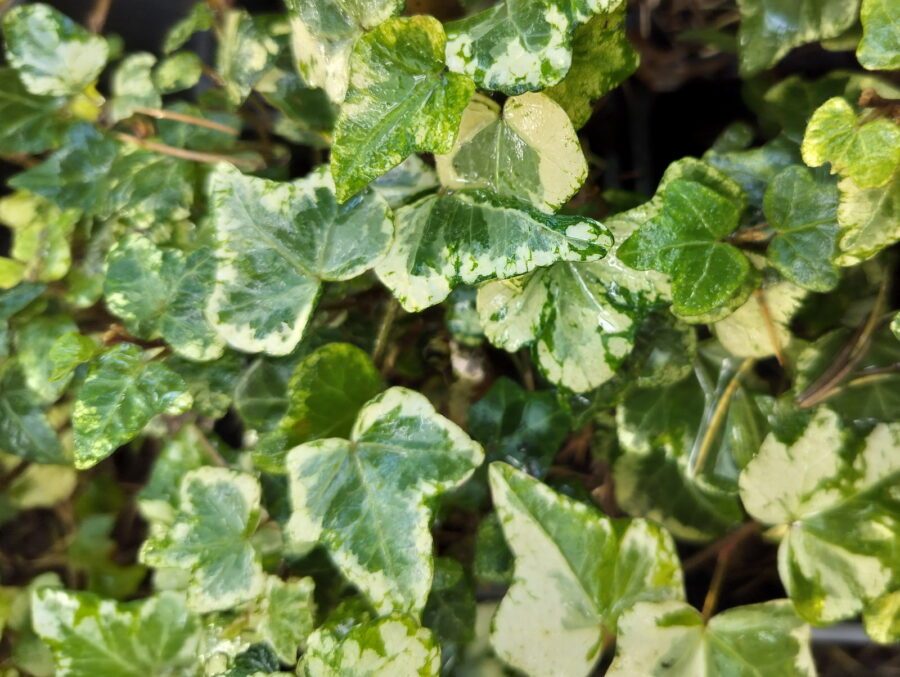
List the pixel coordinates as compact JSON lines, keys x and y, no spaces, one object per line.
{"x":672,"y":638}
{"x":519,"y":45}
{"x":391,"y":645}
{"x":684,"y":239}
{"x":834,"y":497}
{"x":133,"y":86}
{"x":24,"y":429}
{"x":401,"y":100}
{"x":218,"y":512}
{"x":246,"y":50}
{"x":178,"y":72}
{"x":90,"y":636}
{"x":867,"y":152}
{"x":162,"y":291}
{"x":869,"y":220}
{"x":183,"y":452}
{"x":200,"y":18}
{"x":802,"y":207}
{"x":366,"y":499}
{"x":276,"y":243}
{"x":53,"y":55}
{"x":33,"y":342}
{"x":879,"y":48}
{"x":324,"y":32}
{"x":576,"y":572}
{"x":450,"y":611}
{"x":408,"y":180}
{"x":68,"y":352}
{"x":882,"y":618}
{"x":771,"y":28}
{"x":124,"y":389}
{"x":307,"y":114}
{"x":580,"y":318}
{"x":287,"y":615}
{"x":602,"y":58}
{"x":472,"y":236}
{"x":530,"y":152}
{"x":755,"y":168}
{"x":31,"y":123}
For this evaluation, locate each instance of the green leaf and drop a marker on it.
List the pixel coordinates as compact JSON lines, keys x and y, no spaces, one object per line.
{"x":834,"y":498}
{"x":755,"y":169}
{"x":867,"y":152}
{"x":122,"y":393}
{"x":31,"y":123}
{"x":531,"y":152}
{"x":869,"y":219}
{"x":133,"y":86}
{"x":308,"y":115}
{"x":24,"y":430}
{"x":685,"y":241}
{"x":183,"y":452}
{"x":562,"y":604}
{"x":882,"y":618}
{"x":68,"y":352}
{"x":405,"y":182}
{"x":147,"y":189}
{"x":673,"y":638}
{"x":288,"y":614}
{"x":41,"y":235}
{"x":472,"y":236}
{"x":602,"y":58}
{"x":53,"y":55}
{"x":217,"y":514}
{"x":802,"y":208}
{"x":400,"y":455}
{"x":246,"y":51}
{"x":401,"y":100}
{"x":324,"y":32}
{"x":879,"y":48}
{"x":178,"y":72}
{"x":33,"y":341}
{"x":450,"y":611}
{"x":200,"y":18}
{"x":391,"y":645}
{"x":260,"y":394}
{"x":90,"y":636}
{"x":276,"y":243}
{"x":519,"y":45}
{"x":771,"y":28}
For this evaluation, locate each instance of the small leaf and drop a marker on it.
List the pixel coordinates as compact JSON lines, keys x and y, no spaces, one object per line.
{"x":200,"y":18}
{"x":122,"y":392}
{"x":183,"y":452}
{"x":246,"y":51}
{"x":24,"y":430}
{"x":531,"y":152}
{"x":400,"y":455}
{"x":178,"y":72}
{"x":276,"y":242}
{"x":882,"y":618}
{"x":68,"y":352}
{"x":33,"y":341}
{"x":288,"y":615}
{"x":472,"y":236}
{"x":450,"y":611}
{"x":90,"y":636}
{"x":401,"y":100}
{"x":869,"y":219}
{"x":210,"y":539}
{"x":133,"y":86}
{"x":31,"y":123}
{"x":754,"y":169}
{"x":672,"y":637}
{"x":879,"y":48}
{"x":576,"y":571}
{"x":53,"y":55}
{"x":41,"y":235}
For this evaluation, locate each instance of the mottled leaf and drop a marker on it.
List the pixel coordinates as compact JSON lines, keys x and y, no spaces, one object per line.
{"x":31,"y":123}
{"x":287,"y":615}
{"x":199,"y":18}
{"x":869,"y":220}
{"x":177,"y":72}
{"x":41,"y":236}
{"x":33,"y":342}
{"x":133,"y":86}
{"x":24,"y":430}
{"x":246,"y":51}
{"x":879,"y":48}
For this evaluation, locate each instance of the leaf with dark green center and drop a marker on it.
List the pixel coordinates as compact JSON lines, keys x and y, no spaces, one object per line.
{"x":401,"y":101}
{"x":33,"y":342}
{"x":754,"y":169}
{"x":217,"y":514}
{"x":31,"y":123}
{"x":472,"y":236}
{"x":24,"y":429}
{"x":276,"y":243}
{"x":69,"y":352}
{"x":366,"y":499}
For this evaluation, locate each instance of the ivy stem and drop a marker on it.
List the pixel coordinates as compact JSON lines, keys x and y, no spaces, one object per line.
{"x":184,"y":154}
{"x":737,"y":536}
{"x":97,"y":18}
{"x":766,"y":313}
{"x":384,"y":330}
{"x":161,"y":114}
{"x":718,"y":417}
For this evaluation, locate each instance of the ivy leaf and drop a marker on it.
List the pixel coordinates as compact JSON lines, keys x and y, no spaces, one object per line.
{"x":246,"y":51}
{"x":882,"y":618}
{"x":148,"y":188}
{"x":602,"y":58}
{"x":756,"y":168}
{"x":869,"y":219}
{"x":295,"y":234}
{"x":308,"y":115}
{"x":771,"y":28}
{"x":400,"y":455}
{"x":450,"y":611}
{"x":31,"y":123}
{"x":260,"y":394}
{"x":868,"y":153}
{"x":24,"y":430}
{"x":183,"y":452}
{"x":405,"y":182}
{"x":210,"y":538}
{"x":133,"y":86}
{"x":519,"y":45}
{"x":288,"y":615}
{"x":53,"y":55}
{"x":531,"y":152}
{"x":879,"y":48}
{"x":324,"y":32}
{"x":471,"y":236}
{"x":33,"y":342}
{"x":576,"y":571}
{"x":200,"y":18}
{"x":68,"y":352}
{"x":391,"y":645}
{"x":401,"y":100}
{"x":91,"y":636}
{"x":177,"y":72}
{"x":122,"y":392}
{"x":672,"y":636}
{"x":802,"y":208}
{"x":834,"y":500}
{"x":685,"y":241}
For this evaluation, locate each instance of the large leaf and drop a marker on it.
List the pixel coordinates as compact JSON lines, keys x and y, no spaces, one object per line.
{"x":24,"y":430}
{"x":531,"y":152}
{"x":366,"y":499}
{"x":90,"y":636}
{"x":123,"y":391}
{"x":879,"y":48}
{"x":471,"y":236}
{"x":575,"y":573}
{"x":836,"y":501}
{"x":276,"y":243}
{"x":771,"y":28}
{"x":672,"y":638}
{"x":401,"y":100}
{"x":519,"y":45}
{"x":210,"y":539}
{"x":869,"y":219}
{"x":31,"y":123}
{"x":53,"y":55}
